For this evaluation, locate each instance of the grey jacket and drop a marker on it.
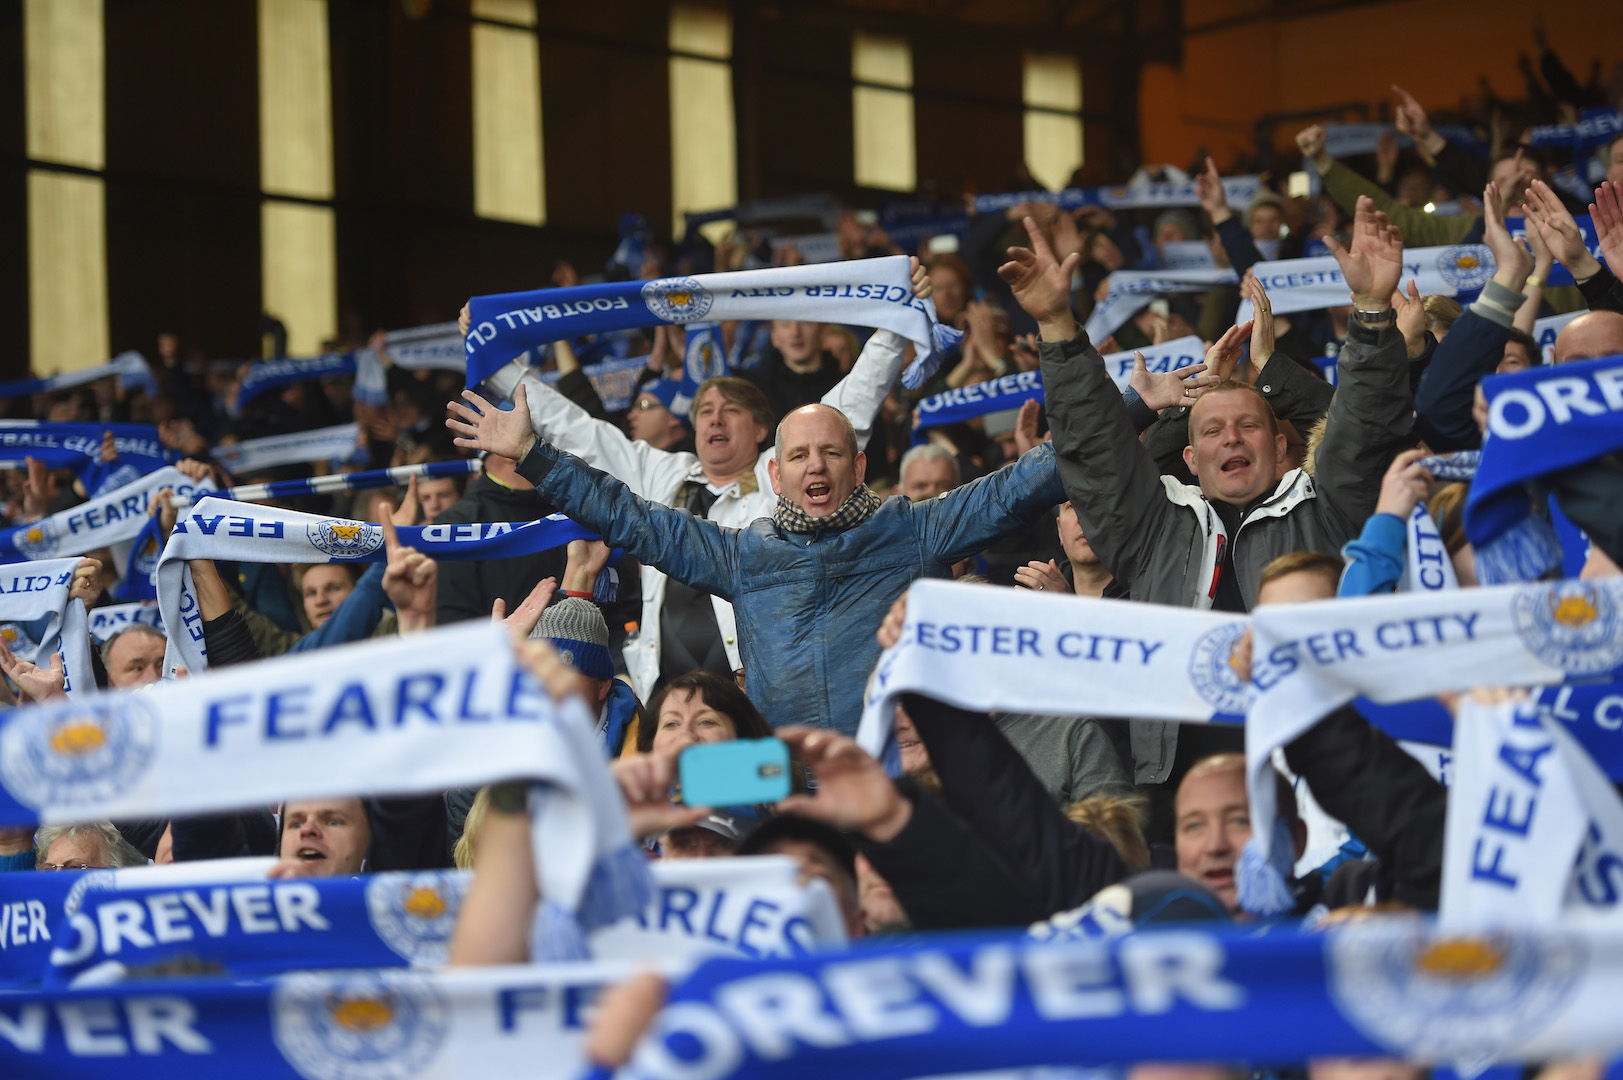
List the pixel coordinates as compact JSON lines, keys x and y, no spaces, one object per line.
{"x":1163,"y":540}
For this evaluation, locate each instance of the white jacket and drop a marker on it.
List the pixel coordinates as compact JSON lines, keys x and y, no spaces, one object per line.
{"x":658,"y":475}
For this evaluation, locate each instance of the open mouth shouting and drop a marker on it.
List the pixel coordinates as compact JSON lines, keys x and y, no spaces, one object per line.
{"x":1235,"y":463}
{"x":310,"y":853}
{"x":818,"y":493}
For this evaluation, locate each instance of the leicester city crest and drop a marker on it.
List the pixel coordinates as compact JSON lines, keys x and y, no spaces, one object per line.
{"x":37,"y":541}
{"x":1466,"y":267}
{"x":80,"y":753}
{"x":414,"y":914}
{"x":677,"y":300}
{"x":345,"y":539}
{"x":1571,"y":625}
{"x":363,"y":1025}
{"x":1434,"y":998}
{"x":1213,"y":673}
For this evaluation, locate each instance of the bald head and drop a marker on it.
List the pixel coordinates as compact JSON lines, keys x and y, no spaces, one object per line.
{"x":1590,"y":336}
{"x":817,"y":465}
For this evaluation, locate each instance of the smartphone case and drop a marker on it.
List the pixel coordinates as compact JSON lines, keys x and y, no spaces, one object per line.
{"x":742,"y":772}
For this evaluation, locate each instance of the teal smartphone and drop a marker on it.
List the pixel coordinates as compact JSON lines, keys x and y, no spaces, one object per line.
{"x":742,"y":772}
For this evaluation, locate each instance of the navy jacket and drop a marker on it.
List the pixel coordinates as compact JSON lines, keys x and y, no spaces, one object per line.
{"x":807,"y":605}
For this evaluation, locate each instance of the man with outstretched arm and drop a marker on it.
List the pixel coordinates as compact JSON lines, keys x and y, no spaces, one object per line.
{"x":810,"y":584}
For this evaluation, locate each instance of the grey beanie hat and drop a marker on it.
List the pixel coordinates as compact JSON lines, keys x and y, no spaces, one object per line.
{"x":578,"y":631}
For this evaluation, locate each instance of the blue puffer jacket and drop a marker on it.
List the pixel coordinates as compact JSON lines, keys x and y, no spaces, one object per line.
{"x":807,"y":605}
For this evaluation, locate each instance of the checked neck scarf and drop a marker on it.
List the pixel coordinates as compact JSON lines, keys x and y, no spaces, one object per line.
{"x":859,"y":507}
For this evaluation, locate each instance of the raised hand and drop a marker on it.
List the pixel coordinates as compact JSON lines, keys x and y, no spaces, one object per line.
{"x":1041,"y":577}
{"x":464,"y":319}
{"x":1607,"y":213}
{"x":853,"y":793}
{"x":37,"y":683}
{"x":1213,"y":199}
{"x":1559,"y":231}
{"x":921,"y":280}
{"x":1404,"y":485}
{"x":1168,"y":389}
{"x":645,"y":781}
{"x":1310,"y":141}
{"x":86,"y":581}
{"x":1042,"y":285}
{"x":1513,"y":262}
{"x":1412,"y":121}
{"x":1373,"y":265}
{"x":1411,"y":312}
{"x":584,"y":559}
{"x":410,"y":507}
{"x":527,"y":613}
{"x":39,"y":489}
{"x":485,"y":427}
{"x":409,"y":580}
{"x":109,"y":448}
{"x":1262,"y":323}
{"x":1224,"y":355}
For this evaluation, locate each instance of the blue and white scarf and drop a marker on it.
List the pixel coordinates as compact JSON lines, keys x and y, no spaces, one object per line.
{"x":251,"y":532}
{"x":340,"y":443}
{"x":34,"y":598}
{"x":997,"y":649}
{"x":614,"y":379}
{"x":1595,"y":128}
{"x":388,"y":1024}
{"x":130,"y":368}
{"x":269,"y":374}
{"x":1127,"y":291}
{"x":422,"y":348}
{"x":1535,"y":829}
{"x":963,"y":1005}
{"x":1460,"y":270}
{"x":1540,"y":421}
{"x":444,"y":709}
{"x":1012,"y":391}
{"x":78,"y":447}
{"x":1309,"y":659}
{"x":110,"y":619}
{"x":866,"y":292}
{"x":1429,"y":568}
{"x":704,"y":356}
{"x":748,"y":907}
{"x":108,"y":520}
{"x":1143,"y":195}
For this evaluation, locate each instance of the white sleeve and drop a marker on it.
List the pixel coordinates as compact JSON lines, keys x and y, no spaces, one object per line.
{"x":561,"y":423}
{"x":861,"y":393}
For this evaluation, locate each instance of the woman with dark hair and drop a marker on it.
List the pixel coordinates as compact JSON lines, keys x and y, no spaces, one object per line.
{"x":699,"y":707}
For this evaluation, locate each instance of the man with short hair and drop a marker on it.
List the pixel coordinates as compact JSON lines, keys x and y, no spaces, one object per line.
{"x":927,"y":471}
{"x":438,"y":494}
{"x":1590,"y":336}
{"x":797,"y":370}
{"x":724,"y":480}
{"x":1204,"y":546}
{"x":1213,"y":822}
{"x":812,"y":582}
{"x":822,"y":852}
{"x":325,"y":837}
{"x":1521,"y":353}
{"x":91,"y":845}
{"x":134,"y":656}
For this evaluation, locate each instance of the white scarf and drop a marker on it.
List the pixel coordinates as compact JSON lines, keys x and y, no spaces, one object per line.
{"x":1316,"y":283}
{"x":105,"y":521}
{"x":1309,"y":659}
{"x":323,"y":444}
{"x":30,"y":592}
{"x":445,"y":709}
{"x":109,"y":620}
{"x":983,"y":649}
{"x":1535,"y":829}
{"x":1429,"y":569}
{"x":258,"y":532}
{"x":437,"y":347}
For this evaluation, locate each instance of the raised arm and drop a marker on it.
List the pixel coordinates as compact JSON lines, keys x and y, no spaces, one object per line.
{"x":967,"y":519}
{"x":1474,"y":347}
{"x":861,"y":393}
{"x":1370,"y":414}
{"x":1420,"y":229}
{"x":1104,"y":470}
{"x":690,"y":549}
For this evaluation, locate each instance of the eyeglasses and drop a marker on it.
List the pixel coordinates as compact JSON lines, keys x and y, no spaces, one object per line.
{"x":76,"y":865}
{"x":644,"y":404}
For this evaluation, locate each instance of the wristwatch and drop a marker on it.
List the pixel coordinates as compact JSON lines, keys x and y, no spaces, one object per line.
{"x":1384,"y":315}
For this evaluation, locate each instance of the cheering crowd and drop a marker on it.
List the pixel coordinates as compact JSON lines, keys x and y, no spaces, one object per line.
{"x":747,"y":542}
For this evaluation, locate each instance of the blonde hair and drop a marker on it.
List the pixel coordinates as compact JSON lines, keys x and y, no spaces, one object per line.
{"x":1441,"y":311}
{"x":462,"y":853}
{"x":1119,"y":819}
